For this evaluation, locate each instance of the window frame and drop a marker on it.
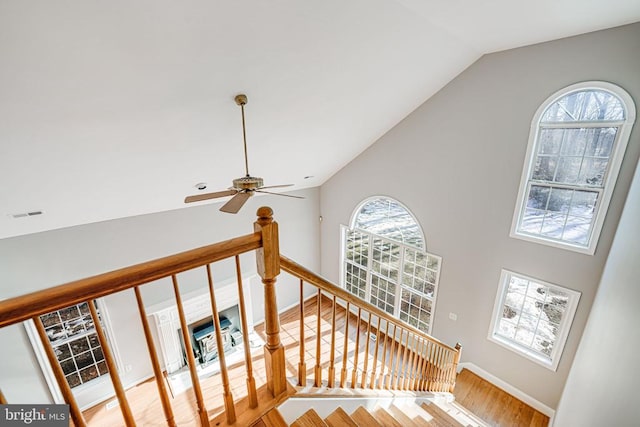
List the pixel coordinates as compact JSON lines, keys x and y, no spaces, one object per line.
{"x":552,"y":361}
{"x":369,"y":272}
{"x":613,"y":168}
{"x":85,"y":388}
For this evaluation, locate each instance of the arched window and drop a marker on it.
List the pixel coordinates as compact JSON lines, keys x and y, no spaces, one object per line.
{"x":577,"y":141}
{"x":385,"y":262}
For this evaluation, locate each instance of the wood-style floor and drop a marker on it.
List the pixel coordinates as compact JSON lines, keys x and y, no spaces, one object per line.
{"x":493,"y":405}
{"x":486,"y":401}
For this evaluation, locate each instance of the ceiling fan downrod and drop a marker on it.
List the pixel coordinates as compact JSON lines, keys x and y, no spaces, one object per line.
{"x":241,"y":100}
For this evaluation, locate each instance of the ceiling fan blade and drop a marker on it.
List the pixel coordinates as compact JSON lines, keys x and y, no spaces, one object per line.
{"x":279,"y":194}
{"x":236,"y":202}
{"x":207,"y":196}
{"x":276,"y":186}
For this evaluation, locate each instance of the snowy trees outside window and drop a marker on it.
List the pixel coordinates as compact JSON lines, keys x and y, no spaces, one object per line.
{"x":577,"y":141}
{"x":385,"y":262}
{"x":533,"y":317}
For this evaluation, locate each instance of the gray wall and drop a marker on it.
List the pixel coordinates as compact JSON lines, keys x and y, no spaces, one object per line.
{"x":456,"y":163}
{"x":42,"y":260}
{"x":602,"y":388}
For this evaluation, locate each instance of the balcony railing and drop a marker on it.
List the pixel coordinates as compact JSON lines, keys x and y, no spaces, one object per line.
{"x":408,"y":359}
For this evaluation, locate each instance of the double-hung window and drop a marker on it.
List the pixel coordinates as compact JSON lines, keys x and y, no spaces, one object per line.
{"x":577,"y":141}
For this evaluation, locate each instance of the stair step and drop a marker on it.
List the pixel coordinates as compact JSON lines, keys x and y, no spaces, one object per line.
{"x":418,"y":416}
{"x":363,"y":417}
{"x":441,"y":416}
{"x":385,"y":418}
{"x":273,"y":418}
{"x":309,"y":419}
{"x":339,"y":418}
{"x":401,"y":417}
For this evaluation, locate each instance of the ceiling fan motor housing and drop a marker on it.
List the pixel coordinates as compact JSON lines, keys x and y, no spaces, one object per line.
{"x":248,"y":183}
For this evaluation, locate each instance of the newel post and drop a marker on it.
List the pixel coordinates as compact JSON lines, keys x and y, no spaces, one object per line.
{"x":456,"y":360}
{"x":268,"y":260}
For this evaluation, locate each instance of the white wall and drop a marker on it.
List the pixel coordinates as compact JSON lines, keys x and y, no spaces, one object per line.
{"x":602,"y":387}
{"x":456,"y":163}
{"x":38,"y":261}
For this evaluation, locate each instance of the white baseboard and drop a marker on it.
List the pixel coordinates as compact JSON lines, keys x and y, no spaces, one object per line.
{"x":514,"y":391}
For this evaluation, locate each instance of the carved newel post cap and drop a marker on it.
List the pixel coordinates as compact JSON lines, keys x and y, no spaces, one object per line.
{"x":265,"y":213}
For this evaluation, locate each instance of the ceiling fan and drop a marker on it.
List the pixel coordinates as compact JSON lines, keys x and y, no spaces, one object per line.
{"x":244,"y":187}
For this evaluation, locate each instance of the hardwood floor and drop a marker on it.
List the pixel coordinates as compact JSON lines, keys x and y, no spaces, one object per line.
{"x":489,"y":404}
{"x":493,"y":405}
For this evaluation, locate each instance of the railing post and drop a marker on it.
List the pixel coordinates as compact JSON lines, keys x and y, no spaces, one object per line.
{"x":456,"y":360}
{"x":268,"y":263}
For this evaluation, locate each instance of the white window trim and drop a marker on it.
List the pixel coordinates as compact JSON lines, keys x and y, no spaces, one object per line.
{"x":602,"y":205}
{"x":98,"y":383}
{"x":552,"y":361}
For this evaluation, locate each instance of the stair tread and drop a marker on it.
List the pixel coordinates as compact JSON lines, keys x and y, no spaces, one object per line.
{"x":401,"y":416}
{"x":339,"y":418}
{"x":363,"y":417}
{"x":441,"y":415}
{"x":273,"y":418}
{"x":386,"y":418}
{"x":309,"y":419}
{"x":419,"y":416}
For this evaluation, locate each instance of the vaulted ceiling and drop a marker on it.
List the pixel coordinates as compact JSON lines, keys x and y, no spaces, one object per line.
{"x":116,"y":108}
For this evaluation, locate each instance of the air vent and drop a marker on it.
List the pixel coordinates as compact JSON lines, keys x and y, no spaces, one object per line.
{"x":26,"y":214}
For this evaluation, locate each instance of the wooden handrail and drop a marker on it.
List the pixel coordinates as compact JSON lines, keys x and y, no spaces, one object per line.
{"x":21,"y":308}
{"x":308,"y":276}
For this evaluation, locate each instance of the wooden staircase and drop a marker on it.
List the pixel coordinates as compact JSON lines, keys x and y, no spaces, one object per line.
{"x":395,"y":415}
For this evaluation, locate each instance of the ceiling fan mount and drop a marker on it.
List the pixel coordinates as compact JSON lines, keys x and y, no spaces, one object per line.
{"x":244,"y":187}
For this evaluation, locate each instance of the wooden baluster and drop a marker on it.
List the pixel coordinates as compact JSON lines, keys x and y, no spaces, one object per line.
{"x":456,"y":361}
{"x":302,"y":366}
{"x":318,"y":368}
{"x":363,"y":381}
{"x":427,"y":367}
{"x":416,"y":364}
{"x":424,"y":365}
{"x":421,"y":362}
{"x":113,"y":370}
{"x":443,"y":369}
{"x":332,"y":369}
{"x":268,"y":266}
{"x":410,"y":358}
{"x":3,"y":400}
{"x":405,"y":363}
{"x":227,"y":395}
{"x":411,"y":363}
{"x":431,"y":367}
{"x":67,"y":394}
{"x":389,"y":377}
{"x":396,"y":373}
{"x":155,"y":363}
{"x":446,"y":368}
{"x":383,"y":367}
{"x":354,"y":373}
{"x":191,"y":361}
{"x":372,"y":380}
{"x":345,"y":348}
{"x":251,"y":382}
{"x":438,"y":368}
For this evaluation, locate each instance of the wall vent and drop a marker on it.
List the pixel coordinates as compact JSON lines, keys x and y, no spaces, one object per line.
{"x":27,"y":214}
